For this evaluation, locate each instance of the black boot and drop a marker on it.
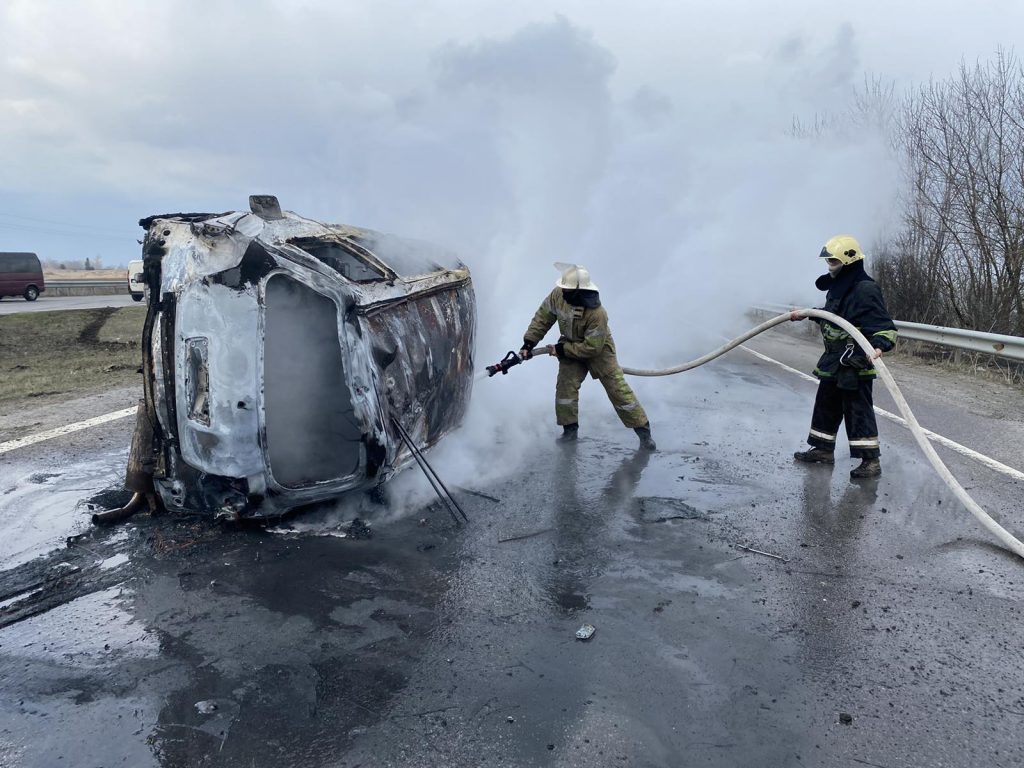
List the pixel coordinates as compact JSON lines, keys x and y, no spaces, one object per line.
{"x":570,"y":433}
{"x":816,"y":456}
{"x":646,"y":441}
{"x":867,"y":468}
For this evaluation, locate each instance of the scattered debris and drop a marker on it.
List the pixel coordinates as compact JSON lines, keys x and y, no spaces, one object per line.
{"x":357,"y":529}
{"x":471,"y":492}
{"x":761,"y":552}
{"x":206,"y":707}
{"x":845,"y":718}
{"x":585,"y":632}
{"x":510,"y":719}
{"x":867,"y":762}
{"x":662,"y":605}
{"x":526,"y":535}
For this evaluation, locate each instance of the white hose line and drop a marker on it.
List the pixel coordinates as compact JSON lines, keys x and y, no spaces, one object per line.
{"x":717,"y":352}
{"x":1004,"y":536}
{"x":933,"y":437}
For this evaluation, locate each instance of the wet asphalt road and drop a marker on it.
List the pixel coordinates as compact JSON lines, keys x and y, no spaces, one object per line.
{"x":889,"y":638}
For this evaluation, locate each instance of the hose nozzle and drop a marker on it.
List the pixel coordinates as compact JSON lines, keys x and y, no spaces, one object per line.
{"x":502,"y":366}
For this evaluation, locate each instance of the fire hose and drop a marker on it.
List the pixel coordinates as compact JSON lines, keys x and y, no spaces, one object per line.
{"x":1007,"y":539}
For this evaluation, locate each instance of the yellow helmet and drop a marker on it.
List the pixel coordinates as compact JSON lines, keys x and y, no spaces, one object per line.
{"x":844,"y":248}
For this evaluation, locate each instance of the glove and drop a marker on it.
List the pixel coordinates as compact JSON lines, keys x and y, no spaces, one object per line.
{"x":559,"y":350}
{"x":527,"y":351}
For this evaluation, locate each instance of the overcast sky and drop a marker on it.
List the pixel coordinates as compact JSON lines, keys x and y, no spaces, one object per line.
{"x":647,"y":140}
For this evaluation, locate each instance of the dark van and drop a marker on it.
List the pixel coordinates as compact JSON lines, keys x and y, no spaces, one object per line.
{"x":21,"y":274}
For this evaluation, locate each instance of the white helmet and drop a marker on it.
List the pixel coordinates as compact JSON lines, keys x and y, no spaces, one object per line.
{"x":574,"y":276}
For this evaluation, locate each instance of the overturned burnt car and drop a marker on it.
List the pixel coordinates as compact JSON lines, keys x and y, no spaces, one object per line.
{"x":283,"y":359}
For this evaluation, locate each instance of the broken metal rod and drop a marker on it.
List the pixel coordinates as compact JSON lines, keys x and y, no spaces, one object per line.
{"x":760,"y":552}
{"x":446,"y":497}
{"x":526,"y":535}
{"x":471,"y":492}
{"x":440,"y":495}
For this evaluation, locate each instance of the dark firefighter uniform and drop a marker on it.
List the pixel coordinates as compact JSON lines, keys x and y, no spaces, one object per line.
{"x":844,"y":371}
{"x":585,"y":346}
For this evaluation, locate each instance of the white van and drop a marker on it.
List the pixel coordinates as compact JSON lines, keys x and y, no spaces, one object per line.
{"x":136,"y":285}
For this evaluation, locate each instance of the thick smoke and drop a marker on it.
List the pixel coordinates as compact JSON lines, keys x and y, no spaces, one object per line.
{"x":655,"y":150}
{"x":685,"y":212}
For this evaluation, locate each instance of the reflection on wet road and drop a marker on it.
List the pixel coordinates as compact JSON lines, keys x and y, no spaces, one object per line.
{"x":889,"y":638}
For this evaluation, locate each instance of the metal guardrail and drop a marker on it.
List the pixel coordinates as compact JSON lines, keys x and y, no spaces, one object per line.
{"x":1007,"y":347}
{"x":85,"y":283}
{"x":94,"y":287}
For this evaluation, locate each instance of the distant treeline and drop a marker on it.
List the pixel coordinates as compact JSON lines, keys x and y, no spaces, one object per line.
{"x":957,"y":255}
{"x":958,"y":258}
{"x":77,"y":265}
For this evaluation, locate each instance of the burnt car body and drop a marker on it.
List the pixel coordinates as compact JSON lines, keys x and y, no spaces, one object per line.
{"x":279,"y":351}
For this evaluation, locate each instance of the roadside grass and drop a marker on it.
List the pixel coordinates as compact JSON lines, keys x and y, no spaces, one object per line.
{"x":92,"y":274}
{"x":79,"y":351}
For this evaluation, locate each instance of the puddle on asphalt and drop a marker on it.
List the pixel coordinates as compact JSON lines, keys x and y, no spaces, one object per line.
{"x":92,"y":631}
{"x":39,"y":511}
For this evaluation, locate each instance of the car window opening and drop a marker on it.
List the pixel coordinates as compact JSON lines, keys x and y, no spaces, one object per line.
{"x":312,"y":434}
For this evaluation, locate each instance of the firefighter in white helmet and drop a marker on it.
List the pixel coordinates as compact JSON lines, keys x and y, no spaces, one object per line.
{"x":584,"y":346}
{"x":845,"y":373}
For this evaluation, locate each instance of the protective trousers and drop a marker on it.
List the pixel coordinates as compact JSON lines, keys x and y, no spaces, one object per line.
{"x":833,"y":405}
{"x":571,"y":374}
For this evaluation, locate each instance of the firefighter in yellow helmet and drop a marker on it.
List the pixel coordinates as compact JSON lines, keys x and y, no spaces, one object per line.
{"x":584,"y":346}
{"x":845,"y":373}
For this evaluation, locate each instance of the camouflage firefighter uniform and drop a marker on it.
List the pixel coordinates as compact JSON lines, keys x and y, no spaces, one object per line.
{"x":844,"y":371}
{"x":585,"y":346}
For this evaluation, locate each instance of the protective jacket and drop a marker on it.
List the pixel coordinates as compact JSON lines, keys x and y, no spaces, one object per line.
{"x":584,"y":346}
{"x":583,"y":329}
{"x":855,"y":297}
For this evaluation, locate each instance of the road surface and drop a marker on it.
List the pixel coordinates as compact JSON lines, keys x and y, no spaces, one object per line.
{"x":11,"y":306}
{"x":889,"y":635}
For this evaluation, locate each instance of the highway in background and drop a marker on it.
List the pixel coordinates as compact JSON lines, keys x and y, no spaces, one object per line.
{"x":11,"y":306}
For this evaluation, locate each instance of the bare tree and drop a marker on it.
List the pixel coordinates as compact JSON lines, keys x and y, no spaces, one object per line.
{"x":873,"y":107}
{"x":960,"y":257}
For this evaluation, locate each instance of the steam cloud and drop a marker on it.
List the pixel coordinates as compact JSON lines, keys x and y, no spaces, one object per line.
{"x":654,"y":151}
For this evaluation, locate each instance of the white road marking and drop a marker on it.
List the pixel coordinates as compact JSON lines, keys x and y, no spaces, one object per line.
{"x":963,"y":450}
{"x":23,"y":442}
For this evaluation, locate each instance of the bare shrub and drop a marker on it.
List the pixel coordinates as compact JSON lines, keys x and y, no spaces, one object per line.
{"x":959,"y":259}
